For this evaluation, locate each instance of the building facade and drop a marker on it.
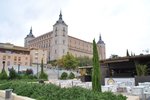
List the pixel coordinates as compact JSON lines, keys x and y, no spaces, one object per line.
{"x":58,"y":43}
{"x":36,"y":56}
{"x":11,"y":55}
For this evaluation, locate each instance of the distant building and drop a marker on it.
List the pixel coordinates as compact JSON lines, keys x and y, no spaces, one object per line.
{"x":11,"y":55}
{"x":58,"y":43}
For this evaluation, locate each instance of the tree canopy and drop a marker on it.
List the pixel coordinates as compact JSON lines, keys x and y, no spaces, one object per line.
{"x":68,"y":61}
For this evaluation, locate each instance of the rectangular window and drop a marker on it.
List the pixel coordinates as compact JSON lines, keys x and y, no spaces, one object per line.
{"x":15,"y":58}
{"x":4,"y":57}
{"x":55,"y":41}
{"x":26,"y":58}
{"x":8,"y":57}
{"x":63,"y":41}
{"x":64,"y":29}
{"x":19,"y":59}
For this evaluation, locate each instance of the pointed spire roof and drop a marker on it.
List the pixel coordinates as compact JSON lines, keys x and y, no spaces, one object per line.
{"x":30,"y":33}
{"x":100,"y":40}
{"x":60,"y":16}
{"x":60,"y":20}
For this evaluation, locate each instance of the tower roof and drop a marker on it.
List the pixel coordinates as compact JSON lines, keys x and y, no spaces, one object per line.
{"x":60,"y":20}
{"x":100,"y":40}
{"x":30,"y":34}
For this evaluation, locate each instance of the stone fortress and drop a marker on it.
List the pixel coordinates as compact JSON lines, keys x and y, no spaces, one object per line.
{"x":58,"y":43}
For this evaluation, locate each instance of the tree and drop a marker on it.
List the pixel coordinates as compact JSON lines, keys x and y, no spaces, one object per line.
{"x":127,"y":53}
{"x":68,"y":61}
{"x":3,"y":75}
{"x":96,"y":85}
{"x":141,"y":70}
{"x":12,"y":73}
{"x":43,"y":75}
{"x":84,"y":61}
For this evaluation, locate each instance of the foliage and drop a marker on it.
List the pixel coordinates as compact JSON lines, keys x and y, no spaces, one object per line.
{"x":114,"y":56}
{"x":53,"y":63}
{"x":53,"y":92}
{"x":12,"y":73}
{"x":29,"y":72}
{"x":68,"y":61}
{"x":84,"y":61}
{"x":141,"y":70}
{"x":3,"y":75}
{"x":127,"y":53}
{"x":96,"y":85}
{"x":64,"y":76}
{"x":71,"y":75}
{"x":43,"y":75}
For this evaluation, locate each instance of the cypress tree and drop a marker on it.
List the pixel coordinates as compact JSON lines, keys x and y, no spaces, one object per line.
{"x":96,"y":85}
{"x":127,"y":53}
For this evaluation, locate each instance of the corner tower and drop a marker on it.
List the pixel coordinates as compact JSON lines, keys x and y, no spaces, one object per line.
{"x":59,"y":46}
{"x":29,"y":37}
{"x":101,"y":48}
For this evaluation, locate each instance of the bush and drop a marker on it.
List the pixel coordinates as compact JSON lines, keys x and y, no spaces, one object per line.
{"x":71,"y":76}
{"x":53,"y":92}
{"x":64,"y":76}
{"x":12,"y":73}
{"x":29,"y":72}
{"x":3,"y":75}
{"x":43,"y":76}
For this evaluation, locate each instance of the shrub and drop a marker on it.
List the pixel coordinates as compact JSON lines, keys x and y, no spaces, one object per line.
{"x":12,"y":73}
{"x":3,"y":75}
{"x":43,"y":76}
{"x":53,"y":92}
{"x":64,"y":76}
{"x":71,"y":76}
{"x":29,"y":72}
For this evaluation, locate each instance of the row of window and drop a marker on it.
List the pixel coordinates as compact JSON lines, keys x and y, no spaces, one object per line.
{"x":15,"y":58}
{"x":81,"y":44}
{"x":46,"y":38}
{"x":62,"y":42}
{"x":62,"y":51}
{"x":62,"y":35}
{"x":8,"y":63}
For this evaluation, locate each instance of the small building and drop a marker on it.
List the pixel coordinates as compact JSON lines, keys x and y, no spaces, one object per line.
{"x":123,"y":67}
{"x":11,"y":55}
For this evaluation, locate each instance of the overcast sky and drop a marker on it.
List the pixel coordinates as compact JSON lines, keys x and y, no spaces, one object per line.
{"x":123,"y":24}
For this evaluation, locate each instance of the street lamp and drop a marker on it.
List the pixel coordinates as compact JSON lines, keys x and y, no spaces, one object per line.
{"x":3,"y":65}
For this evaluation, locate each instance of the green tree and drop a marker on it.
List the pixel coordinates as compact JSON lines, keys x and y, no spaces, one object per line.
{"x":68,"y":61}
{"x":84,"y":61}
{"x":12,"y":73}
{"x":96,"y":85}
{"x":3,"y":75}
{"x":43,"y":75}
{"x":141,"y":70}
{"x":127,"y":53}
{"x":71,"y":75}
{"x":64,"y":76}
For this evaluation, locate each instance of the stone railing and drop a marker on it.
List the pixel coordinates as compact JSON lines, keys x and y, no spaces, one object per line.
{"x":14,"y":96}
